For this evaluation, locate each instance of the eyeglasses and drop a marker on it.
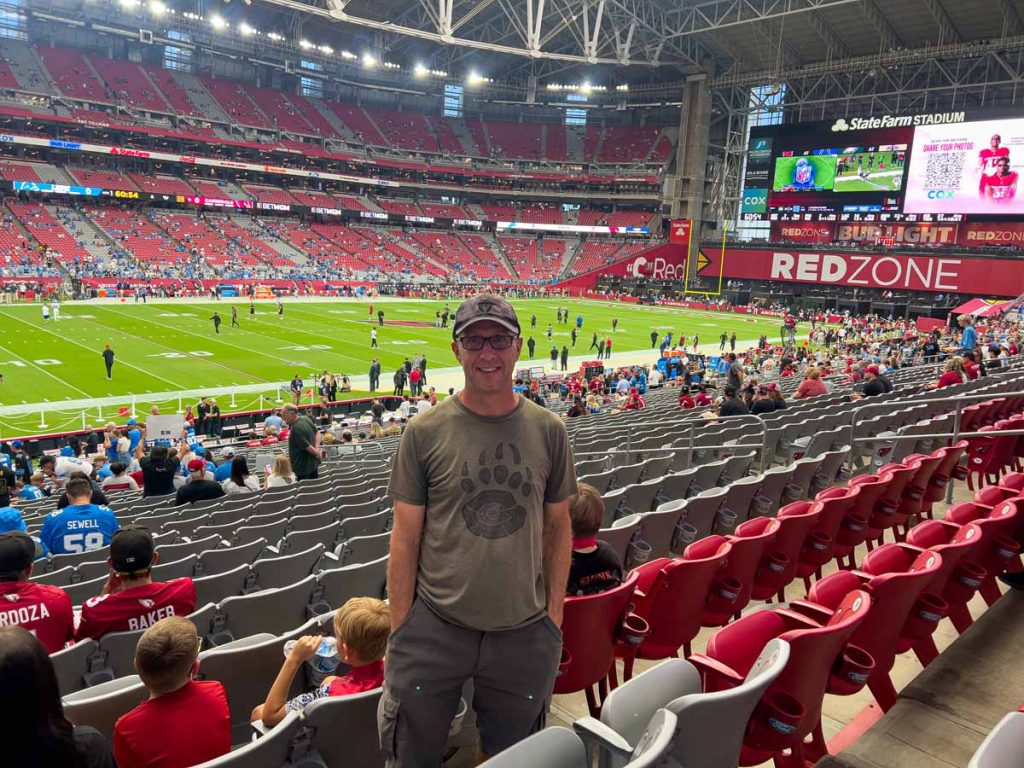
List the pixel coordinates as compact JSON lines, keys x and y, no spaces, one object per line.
{"x":477,"y":342}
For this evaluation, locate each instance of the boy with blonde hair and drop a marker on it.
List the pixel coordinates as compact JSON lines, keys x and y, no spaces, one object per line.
{"x":361,"y":626}
{"x":185,"y":721}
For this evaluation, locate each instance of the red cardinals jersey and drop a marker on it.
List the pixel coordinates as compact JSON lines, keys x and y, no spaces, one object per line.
{"x":989,"y":156}
{"x":42,"y":609}
{"x":1003,"y":187}
{"x":136,"y":608}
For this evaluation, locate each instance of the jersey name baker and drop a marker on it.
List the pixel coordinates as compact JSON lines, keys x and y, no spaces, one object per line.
{"x":24,"y":615}
{"x":147,"y":620}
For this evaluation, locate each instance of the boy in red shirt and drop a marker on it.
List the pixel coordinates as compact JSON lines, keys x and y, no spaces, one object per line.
{"x":361,"y":626}
{"x":130,"y":600}
{"x":185,"y":722}
{"x":42,"y":609}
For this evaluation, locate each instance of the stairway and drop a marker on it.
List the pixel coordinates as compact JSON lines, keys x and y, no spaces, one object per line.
{"x":266,"y":234}
{"x":570,"y":257}
{"x":574,"y":143}
{"x":27,"y":68}
{"x":325,"y":112}
{"x":499,"y":250}
{"x":465,"y":138}
{"x":200,"y":97}
{"x":88,"y":234}
{"x":52,"y":174}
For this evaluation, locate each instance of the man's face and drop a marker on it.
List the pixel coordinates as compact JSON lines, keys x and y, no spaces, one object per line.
{"x":994,"y":141}
{"x":488,"y":370}
{"x":290,"y":416}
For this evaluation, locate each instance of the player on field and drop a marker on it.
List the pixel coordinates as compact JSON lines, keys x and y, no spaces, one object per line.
{"x":216,"y":322}
{"x":42,"y":609}
{"x":46,"y":312}
{"x":81,"y":526}
{"x":56,"y":311}
{"x":987,"y":161}
{"x":1002,"y":187}
{"x":130,"y":600}
{"x":234,"y":317}
{"x":280,"y":308}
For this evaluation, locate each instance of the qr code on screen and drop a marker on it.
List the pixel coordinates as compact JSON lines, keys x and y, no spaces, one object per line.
{"x":943,"y":170}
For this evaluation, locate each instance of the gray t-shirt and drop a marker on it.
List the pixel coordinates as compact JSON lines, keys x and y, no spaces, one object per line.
{"x":484,"y":482}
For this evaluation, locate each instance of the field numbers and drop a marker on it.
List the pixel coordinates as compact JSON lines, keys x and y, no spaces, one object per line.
{"x":25,"y":364}
{"x":179,"y":355}
{"x":301,"y":348}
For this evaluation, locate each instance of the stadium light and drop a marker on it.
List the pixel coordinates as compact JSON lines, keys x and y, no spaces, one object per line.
{"x":348,"y":55}
{"x":128,"y":4}
{"x":157,"y":8}
{"x":246,"y":30}
{"x":305,"y":45}
{"x":475,"y":78}
{"x":420,"y":70}
{"x":585,"y":88}
{"x":275,"y":37}
{"x":326,"y":49}
{"x":369,"y":61}
{"x":217,"y":22}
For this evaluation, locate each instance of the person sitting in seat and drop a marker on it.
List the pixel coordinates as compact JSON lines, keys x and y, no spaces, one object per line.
{"x":42,"y":609}
{"x":361,"y":626}
{"x":184,"y":721}
{"x":198,"y":487}
{"x":131,"y":600}
{"x":595,"y":565}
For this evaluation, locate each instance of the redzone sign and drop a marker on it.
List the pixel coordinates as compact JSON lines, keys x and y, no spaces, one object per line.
{"x":968,"y":275}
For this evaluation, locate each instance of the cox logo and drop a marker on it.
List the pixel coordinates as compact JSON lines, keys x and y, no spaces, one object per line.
{"x":754,"y":199}
{"x":941,"y":194}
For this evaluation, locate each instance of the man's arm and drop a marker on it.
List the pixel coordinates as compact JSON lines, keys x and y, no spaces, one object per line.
{"x":557,"y":556}
{"x":403,"y":563}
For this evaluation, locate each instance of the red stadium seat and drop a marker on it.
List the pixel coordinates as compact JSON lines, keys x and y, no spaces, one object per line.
{"x":782,"y":557}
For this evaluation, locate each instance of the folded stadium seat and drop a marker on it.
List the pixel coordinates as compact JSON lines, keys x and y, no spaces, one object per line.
{"x":832,"y":506}
{"x":272,"y":532}
{"x":1002,"y":747}
{"x":270,"y":751}
{"x":709,"y":727}
{"x":626,"y":474}
{"x":621,"y":533}
{"x":897,"y":576}
{"x":706,"y":477}
{"x":701,"y":511}
{"x":217,"y":587}
{"x":336,"y":586}
{"x":275,"y":506}
{"x":300,"y":539}
{"x":361,"y":549}
{"x":91,"y":571}
{"x":886,"y":514}
{"x":340,"y":730}
{"x":1013,"y":481}
{"x":174,"y":569}
{"x":675,"y":486}
{"x":60,"y":578}
{"x":790,"y":709}
{"x":247,"y":668}
{"x":615,"y":506}
{"x":115,"y":656}
{"x":831,"y":470}
{"x":853,"y":530}
{"x":738,"y":502}
{"x":83,"y":590}
{"x":736,"y":467}
{"x":981,"y":455}
{"x":948,"y":469}
{"x":234,"y":516}
{"x":640,"y":496}
{"x":363,"y":508}
{"x":276,"y":572}
{"x":1000,"y":550}
{"x":71,"y":665}
{"x":779,"y":560}
{"x":221,"y":559}
{"x":750,"y":542}
{"x":991,"y":495}
{"x":804,"y":471}
{"x":102,"y":705}
{"x":672,"y":596}
{"x":591,"y":626}
{"x":306,"y":509}
{"x":269,"y":610}
{"x":773,"y":484}
{"x":795,"y":439}
{"x":656,"y":466}
{"x":172,"y":552}
{"x":224,"y":531}
{"x":599,"y":480}
{"x":56,"y":562}
{"x":368,"y":525}
{"x":658,"y":530}
{"x":956,"y":581}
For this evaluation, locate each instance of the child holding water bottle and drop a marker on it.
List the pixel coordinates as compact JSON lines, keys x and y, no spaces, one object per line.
{"x":361,"y":628}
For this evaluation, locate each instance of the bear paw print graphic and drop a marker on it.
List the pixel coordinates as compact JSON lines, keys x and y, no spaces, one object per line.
{"x":495,"y":489}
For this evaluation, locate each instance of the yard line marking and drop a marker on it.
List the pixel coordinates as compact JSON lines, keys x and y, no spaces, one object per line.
{"x":43,"y":370}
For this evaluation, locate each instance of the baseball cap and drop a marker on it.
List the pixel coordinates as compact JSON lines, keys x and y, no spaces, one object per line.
{"x":67,"y":451}
{"x":131,"y":549}
{"x":11,"y":520}
{"x":487,"y":306}
{"x":873,"y":369}
{"x":17,"y":551}
{"x":199,"y":450}
{"x":227,"y":451}
{"x":196,"y":465}
{"x":132,"y":422}
{"x":17,"y":444}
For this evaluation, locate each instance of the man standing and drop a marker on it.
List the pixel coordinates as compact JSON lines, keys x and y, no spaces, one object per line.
{"x":303,"y":443}
{"x":213,"y":414}
{"x":608,"y":348}
{"x":654,"y":339}
{"x":108,"y":358}
{"x":296,"y":389}
{"x":380,"y":317}
{"x":234,"y":317}
{"x":252,"y":306}
{"x":374,"y":374}
{"x":732,"y":342}
{"x":615,"y":324}
{"x":593,"y":345}
{"x":573,"y":334}
{"x":399,"y":379}
{"x":722,"y":340}
{"x":216,"y":322}
{"x":600,"y":348}
{"x":530,"y":346}
{"x":479,"y":560}
{"x":280,"y":308}
{"x":373,"y":338}
{"x":565,"y":357}
{"x":46,"y":312}
{"x":56,"y":310}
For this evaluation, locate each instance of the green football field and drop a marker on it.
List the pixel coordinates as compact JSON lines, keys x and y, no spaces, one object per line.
{"x":877,"y":181}
{"x":163,"y":348}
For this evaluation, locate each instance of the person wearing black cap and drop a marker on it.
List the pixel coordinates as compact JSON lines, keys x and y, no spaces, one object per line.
{"x":130,"y":599}
{"x":198,"y":488}
{"x":480,"y":552}
{"x":42,"y":609}
{"x":732,"y":405}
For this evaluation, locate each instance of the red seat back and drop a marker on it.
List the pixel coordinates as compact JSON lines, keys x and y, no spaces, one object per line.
{"x":749,"y":543}
{"x":944,"y":472}
{"x":998,"y":525}
{"x":795,"y":523}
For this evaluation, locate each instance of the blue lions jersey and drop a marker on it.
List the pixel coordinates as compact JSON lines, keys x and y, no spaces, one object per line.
{"x":78,"y":528}
{"x":31,"y":492}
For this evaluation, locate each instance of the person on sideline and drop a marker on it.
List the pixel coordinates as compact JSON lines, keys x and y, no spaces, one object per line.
{"x":303,"y":443}
{"x":479,"y":556}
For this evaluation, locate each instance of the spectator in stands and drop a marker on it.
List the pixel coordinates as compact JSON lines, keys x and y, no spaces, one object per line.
{"x":595,"y":565}
{"x":119,"y":479}
{"x":635,"y":401}
{"x":952,"y":374}
{"x":361,"y":627}
{"x":82,"y":525}
{"x":98,"y":497}
{"x":160,"y":467}
{"x":240,"y":481}
{"x":685,"y":399}
{"x":303,"y":443}
{"x":281,"y":473}
{"x":48,"y":466}
{"x":42,"y":609}
{"x":36,"y":488}
{"x":762,"y":403}
{"x":812,"y":385}
{"x":35,"y":729}
{"x":968,"y":337}
{"x":731,"y":405}
{"x":130,"y":599}
{"x":876,"y":382}
{"x":459,"y":576}
{"x":198,"y":487}
{"x":576,"y":409}
{"x":273,"y":420}
{"x":8,"y":484}
{"x":184,"y":721}
{"x":974,"y":366}
{"x":223,"y":470}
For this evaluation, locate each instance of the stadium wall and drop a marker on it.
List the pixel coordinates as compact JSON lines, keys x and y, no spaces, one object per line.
{"x":663,"y":262}
{"x":969,"y":235}
{"x":939,"y":274}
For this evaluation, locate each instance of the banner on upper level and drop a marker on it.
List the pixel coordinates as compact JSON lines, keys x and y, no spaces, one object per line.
{"x":803,"y":232}
{"x":897,"y":272}
{"x":663,"y":262}
{"x":679,"y":231}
